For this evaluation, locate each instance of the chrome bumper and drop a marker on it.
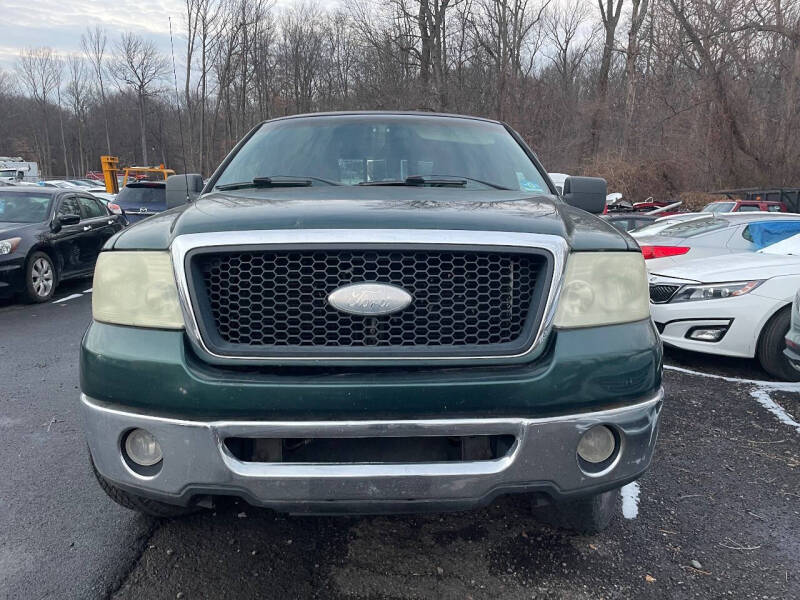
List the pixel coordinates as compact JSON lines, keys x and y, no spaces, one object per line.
{"x":197,"y":462}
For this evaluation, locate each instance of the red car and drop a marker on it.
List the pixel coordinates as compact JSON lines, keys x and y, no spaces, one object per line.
{"x":726,"y":206}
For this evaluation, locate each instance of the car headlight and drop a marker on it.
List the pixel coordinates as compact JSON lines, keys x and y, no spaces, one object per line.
{"x":136,"y":289}
{"x":603,"y":288}
{"x":9,"y":245}
{"x":713,"y":291}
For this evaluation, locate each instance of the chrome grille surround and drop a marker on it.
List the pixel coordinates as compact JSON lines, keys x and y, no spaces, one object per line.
{"x":554,"y":246}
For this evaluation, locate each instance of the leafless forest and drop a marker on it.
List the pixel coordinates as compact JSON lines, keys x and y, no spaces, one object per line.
{"x":658,"y":96}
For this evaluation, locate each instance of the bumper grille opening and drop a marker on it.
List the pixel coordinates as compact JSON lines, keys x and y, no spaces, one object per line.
{"x":659,"y":294}
{"x":275,"y":302}
{"x":374,"y":450}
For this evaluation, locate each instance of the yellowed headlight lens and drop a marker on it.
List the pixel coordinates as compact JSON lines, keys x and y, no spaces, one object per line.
{"x":136,"y":289}
{"x":603,"y":288}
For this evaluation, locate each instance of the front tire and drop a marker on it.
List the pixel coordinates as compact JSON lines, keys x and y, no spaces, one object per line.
{"x":771,"y":343}
{"x":588,"y":515}
{"x":40,"y":278}
{"x":152,"y":508}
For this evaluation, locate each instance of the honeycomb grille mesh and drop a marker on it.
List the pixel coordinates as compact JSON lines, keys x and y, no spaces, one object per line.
{"x":662,"y":293}
{"x":279,"y":298}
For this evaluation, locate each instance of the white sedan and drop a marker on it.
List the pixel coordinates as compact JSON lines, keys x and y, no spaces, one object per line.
{"x":733,"y":305}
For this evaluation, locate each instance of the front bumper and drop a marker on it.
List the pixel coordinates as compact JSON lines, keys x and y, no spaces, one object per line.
{"x":543,"y":459}
{"x":792,"y":350}
{"x":12,"y":274}
{"x":742,"y":319}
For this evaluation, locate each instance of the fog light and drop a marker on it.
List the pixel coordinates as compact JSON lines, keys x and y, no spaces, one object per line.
{"x":142,"y":448}
{"x":707,"y":334}
{"x":597,"y":444}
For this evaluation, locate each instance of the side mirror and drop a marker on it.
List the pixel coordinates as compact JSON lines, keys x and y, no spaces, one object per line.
{"x":69,"y":219}
{"x":586,"y":193}
{"x":181,"y":187}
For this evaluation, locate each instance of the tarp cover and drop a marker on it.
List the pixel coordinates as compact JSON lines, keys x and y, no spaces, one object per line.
{"x":765,"y":233}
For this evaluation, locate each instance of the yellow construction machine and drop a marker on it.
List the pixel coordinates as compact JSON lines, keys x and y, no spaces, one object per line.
{"x":111,"y":169}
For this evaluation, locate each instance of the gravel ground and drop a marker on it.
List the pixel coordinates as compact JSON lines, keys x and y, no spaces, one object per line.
{"x":718,"y":514}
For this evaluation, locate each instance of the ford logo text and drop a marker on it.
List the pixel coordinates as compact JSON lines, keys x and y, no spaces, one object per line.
{"x":369,"y":299}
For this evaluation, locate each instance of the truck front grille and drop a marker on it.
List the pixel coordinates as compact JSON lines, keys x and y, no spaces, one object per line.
{"x":274,"y":302}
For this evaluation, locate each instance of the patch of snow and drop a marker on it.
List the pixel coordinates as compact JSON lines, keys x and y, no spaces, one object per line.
{"x":630,"y":500}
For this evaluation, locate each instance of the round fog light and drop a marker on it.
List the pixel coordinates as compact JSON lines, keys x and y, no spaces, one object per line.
{"x":142,"y":448}
{"x":596,"y":444}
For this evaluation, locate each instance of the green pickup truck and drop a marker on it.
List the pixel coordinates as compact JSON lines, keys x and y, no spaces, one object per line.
{"x":374,"y":312}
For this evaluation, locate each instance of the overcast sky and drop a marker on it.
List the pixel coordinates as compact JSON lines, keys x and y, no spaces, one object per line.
{"x":60,"y":23}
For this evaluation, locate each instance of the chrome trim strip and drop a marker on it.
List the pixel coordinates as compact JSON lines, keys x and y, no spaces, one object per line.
{"x":183,"y":244}
{"x":378,"y":427}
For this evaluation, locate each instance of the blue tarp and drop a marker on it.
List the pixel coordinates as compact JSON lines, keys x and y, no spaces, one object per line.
{"x":764,"y":233}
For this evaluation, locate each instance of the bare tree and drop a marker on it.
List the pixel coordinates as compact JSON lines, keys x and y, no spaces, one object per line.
{"x":139,"y":66}
{"x":39,"y":71}
{"x":609,"y":14}
{"x":77,"y":93}
{"x":632,"y":51}
{"x":94,"y":43}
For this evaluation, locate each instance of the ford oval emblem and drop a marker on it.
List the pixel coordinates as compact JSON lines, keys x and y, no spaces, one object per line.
{"x":369,"y":299}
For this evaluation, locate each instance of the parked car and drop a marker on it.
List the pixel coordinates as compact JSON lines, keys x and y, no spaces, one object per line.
{"x":733,"y":305}
{"x":732,"y":206}
{"x":59,"y":183}
{"x":558,"y":180}
{"x":374,"y":312}
{"x":142,"y":199}
{"x":720,"y":234}
{"x":792,"y":350}
{"x":629,"y":221}
{"x":48,"y":235}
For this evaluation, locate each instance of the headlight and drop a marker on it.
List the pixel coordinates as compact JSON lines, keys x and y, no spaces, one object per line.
{"x":9,"y":245}
{"x":713,"y":291}
{"x":137,"y":289}
{"x":602,"y":288}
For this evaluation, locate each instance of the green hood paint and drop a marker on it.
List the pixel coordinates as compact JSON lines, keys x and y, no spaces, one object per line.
{"x":368,"y":207}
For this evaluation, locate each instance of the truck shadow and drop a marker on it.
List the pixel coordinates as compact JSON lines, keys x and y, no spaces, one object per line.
{"x":238,"y":551}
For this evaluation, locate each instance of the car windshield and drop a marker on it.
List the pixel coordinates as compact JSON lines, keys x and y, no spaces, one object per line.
{"x":24,"y":208}
{"x":359,"y":149}
{"x":141,"y":195}
{"x":688,"y":229}
{"x":719,"y":207}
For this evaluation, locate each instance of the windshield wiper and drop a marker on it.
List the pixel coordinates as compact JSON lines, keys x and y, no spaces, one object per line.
{"x":275,"y":181}
{"x":435,"y":181}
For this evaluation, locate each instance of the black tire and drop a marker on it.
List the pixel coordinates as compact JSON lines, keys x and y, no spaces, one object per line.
{"x":152,"y":508}
{"x":771,"y":343}
{"x":40,"y":278}
{"x":588,"y":515}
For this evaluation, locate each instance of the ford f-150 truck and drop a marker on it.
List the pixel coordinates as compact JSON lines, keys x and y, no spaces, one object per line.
{"x":374,"y":312}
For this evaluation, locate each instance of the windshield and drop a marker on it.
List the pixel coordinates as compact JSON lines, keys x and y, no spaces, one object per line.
{"x":24,"y":208}
{"x":719,"y":207}
{"x":358,"y":149}
{"x":142,"y":195}
{"x":686,"y":229}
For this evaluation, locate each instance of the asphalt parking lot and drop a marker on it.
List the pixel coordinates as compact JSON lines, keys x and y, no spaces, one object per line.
{"x":718,"y":514}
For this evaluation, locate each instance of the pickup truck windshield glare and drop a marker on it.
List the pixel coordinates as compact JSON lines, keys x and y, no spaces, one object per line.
{"x":358,"y":149}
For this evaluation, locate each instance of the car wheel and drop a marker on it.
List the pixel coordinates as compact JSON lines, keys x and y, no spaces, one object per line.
{"x":771,"y":343}
{"x":40,"y":278}
{"x":588,"y":515}
{"x":152,"y":508}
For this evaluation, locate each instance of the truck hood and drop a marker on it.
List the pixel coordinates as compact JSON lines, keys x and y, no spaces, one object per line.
{"x":730,"y":267}
{"x":368,"y":207}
